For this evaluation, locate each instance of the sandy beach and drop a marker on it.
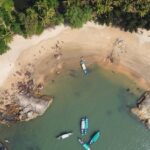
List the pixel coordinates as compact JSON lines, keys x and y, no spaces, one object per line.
{"x":46,"y":56}
{"x":129,"y":51}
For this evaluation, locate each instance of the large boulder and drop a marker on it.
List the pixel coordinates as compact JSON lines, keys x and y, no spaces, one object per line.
{"x":32,"y":106}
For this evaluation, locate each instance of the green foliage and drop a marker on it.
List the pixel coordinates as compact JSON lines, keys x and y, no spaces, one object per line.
{"x":39,"y":29}
{"x":76,"y":16}
{"x":3,"y":47}
{"x":8,"y":5}
{"x":39,"y":14}
{"x":45,"y":12}
{"x":5,"y":28}
{"x":30,"y":20}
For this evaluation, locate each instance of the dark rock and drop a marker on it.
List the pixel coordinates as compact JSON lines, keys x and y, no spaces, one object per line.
{"x":18,"y":73}
{"x":40,"y":86}
{"x":28,"y":74}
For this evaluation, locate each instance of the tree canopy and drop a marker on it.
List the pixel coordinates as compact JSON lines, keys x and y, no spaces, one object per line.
{"x":39,"y":14}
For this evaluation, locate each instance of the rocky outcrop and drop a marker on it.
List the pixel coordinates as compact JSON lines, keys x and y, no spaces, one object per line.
{"x":24,"y":107}
{"x":32,"y":106}
{"x":24,"y":102}
{"x":142,"y":110}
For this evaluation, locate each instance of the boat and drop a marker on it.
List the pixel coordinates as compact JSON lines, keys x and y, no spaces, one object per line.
{"x":84,"y":145}
{"x":83,"y":66}
{"x":84,"y":125}
{"x":95,"y":137}
{"x":6,"y":141}
{"x":64,"y":136}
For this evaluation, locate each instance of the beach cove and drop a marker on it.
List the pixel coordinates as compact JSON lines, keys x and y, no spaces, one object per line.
{"x":44,"y":57}
{"x":108,"y":110}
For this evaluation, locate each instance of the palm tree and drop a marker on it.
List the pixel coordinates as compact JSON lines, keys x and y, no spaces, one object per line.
{"x":46,"y":13}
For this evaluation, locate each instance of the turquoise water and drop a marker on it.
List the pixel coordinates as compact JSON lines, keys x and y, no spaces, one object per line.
{"x":102,"y":97}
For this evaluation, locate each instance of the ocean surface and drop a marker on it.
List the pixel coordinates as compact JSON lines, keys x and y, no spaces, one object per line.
{"x":102,"y":96}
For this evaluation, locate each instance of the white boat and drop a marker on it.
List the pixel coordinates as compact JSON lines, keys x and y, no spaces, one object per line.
{"x":83,"y":66}
{"x":64,"y":135}
{"x":84,"y":125}
{"x":6,"y":141}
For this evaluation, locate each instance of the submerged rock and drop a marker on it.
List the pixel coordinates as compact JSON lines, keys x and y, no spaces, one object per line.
{"x":142,"y":110}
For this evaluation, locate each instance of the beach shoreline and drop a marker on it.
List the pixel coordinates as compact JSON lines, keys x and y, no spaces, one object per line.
{"x":46,"y":56}
{"x":46,"y":43}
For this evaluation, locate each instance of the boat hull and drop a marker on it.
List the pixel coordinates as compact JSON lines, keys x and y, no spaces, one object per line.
{"x":83,"y":66}
{"x":64,"y":136}
{"x":94,"y":138}
{"x":84,"y":126}
{"x":84,"y":145}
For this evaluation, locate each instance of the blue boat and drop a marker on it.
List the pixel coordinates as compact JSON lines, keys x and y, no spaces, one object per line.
{"x":83,"y":66}
{"x":84,"y":125}
{"x":95,"y":137}
{"x":84,"y":145}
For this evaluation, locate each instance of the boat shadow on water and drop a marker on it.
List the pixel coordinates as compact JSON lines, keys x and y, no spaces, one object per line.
{"x":73,"y":73}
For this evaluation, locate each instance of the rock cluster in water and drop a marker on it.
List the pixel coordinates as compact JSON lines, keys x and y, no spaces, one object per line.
{"x":142,"y":110}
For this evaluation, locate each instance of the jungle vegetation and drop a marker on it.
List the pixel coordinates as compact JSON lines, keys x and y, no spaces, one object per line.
{"x":28,"y":17}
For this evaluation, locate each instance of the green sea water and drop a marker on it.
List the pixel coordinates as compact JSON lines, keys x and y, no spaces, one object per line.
{"x":102,"y":97}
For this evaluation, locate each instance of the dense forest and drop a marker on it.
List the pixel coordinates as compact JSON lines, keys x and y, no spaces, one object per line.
{"x":33,"y":16}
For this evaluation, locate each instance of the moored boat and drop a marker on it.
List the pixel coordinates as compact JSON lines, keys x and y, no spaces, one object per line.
{"x":84,"y":125}
{"x":64,"y":135}
{"x":83,"y":66}
{"x":84,"y":145}
{"x":95,"y":137}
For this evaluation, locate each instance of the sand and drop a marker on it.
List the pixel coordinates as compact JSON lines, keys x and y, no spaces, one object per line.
{"x":130,"y":51}
{"x":18,"y":46}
